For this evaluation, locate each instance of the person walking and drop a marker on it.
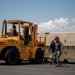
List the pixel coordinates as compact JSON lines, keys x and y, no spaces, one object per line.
{"x":59,"y":51}
{"x":52,"y":51}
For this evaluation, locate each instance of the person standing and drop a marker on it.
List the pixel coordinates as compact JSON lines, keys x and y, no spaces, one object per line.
{"x":52,"y":51}
{"x":15,"y":31}
{"x":59,"y":51}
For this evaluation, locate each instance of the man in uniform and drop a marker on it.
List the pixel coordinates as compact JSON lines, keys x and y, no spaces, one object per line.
{"x":58,"y":52}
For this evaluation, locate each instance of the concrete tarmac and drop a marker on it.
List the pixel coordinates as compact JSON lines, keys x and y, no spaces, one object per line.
{"x":36,"y":69}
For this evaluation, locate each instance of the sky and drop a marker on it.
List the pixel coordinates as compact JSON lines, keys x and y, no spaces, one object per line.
{"x":50,"y":15}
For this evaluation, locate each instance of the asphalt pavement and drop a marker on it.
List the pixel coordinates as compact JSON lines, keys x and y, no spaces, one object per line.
{"x":36,"y":69}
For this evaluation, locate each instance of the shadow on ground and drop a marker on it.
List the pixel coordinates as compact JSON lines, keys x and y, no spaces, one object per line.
{"x":22,"y":63}
{"x":28,"y":63}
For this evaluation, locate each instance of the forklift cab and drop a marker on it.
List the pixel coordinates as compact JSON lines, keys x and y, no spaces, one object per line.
{"x":25,"y":31}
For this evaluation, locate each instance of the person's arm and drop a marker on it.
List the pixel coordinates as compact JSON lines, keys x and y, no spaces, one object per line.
{"x":50,"y":48}
{"x":61,"y":48}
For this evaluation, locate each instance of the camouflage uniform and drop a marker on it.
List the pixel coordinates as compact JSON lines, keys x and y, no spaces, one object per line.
{"x":58,"y":52}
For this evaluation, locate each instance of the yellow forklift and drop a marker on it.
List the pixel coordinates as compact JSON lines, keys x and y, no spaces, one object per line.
{"x":19,"y":41}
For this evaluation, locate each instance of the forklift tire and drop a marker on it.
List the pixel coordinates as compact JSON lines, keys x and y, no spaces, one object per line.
{"x":39,"y":55}
{"x":11,"y":57}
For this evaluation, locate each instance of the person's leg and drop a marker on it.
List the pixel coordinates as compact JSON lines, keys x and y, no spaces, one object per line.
{"x":51,"y":57}
{"x":56,"y":58}
{"x":58,"y":63}
{"x":59,"y":55}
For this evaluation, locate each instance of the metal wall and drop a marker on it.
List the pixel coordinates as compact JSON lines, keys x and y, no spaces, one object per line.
{"x":68,"y":53}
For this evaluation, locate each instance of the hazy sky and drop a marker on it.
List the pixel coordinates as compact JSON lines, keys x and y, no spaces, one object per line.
{"x":50,"y":15}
